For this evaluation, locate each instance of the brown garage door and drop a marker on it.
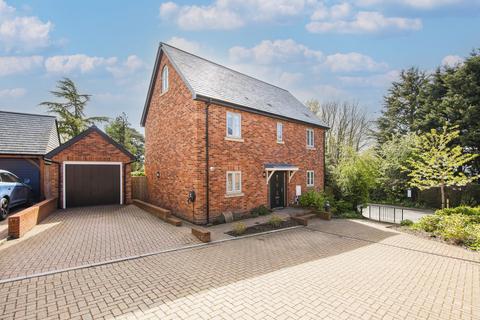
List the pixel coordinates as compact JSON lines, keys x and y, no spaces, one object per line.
{"x":92,"y":184}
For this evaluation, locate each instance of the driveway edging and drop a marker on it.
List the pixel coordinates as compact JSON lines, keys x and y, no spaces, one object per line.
{"x":140,"y":256}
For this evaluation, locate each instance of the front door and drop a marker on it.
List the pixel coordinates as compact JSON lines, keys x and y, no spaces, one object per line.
{"x":277,"y":190}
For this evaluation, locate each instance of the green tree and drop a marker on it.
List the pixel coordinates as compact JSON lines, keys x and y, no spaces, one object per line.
{"x":70,"y":112}
{"x":393,"y":158}
{"x":435,"y":163}
{"x":121,"y":131}
{"x":356,"y":175}
{"x":402,"y":105}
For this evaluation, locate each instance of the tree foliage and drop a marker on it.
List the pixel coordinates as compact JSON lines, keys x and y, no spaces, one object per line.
{"x":71,"y":111}
{"x":435,"y":163}
{"x":121,"y":131}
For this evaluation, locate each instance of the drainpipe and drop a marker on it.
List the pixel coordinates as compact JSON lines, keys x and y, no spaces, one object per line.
{"x":207,"y":163}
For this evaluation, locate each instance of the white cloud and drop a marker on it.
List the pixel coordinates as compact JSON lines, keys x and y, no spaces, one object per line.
{"x":230,"y":14}
{"x":352,"y":62}
{"x":16,"y":65}
{"x":184,"y":44}
{"x":418,"y":4}
{"x":376,"y":80}
{"x":21,"y":33}
{"x":364,"y":22}
{"x":12,"y":93}
{"x":131,"y":65}
{"x":452,"y":61}
{"x":269,"y":51}
{"x":76,"y":62}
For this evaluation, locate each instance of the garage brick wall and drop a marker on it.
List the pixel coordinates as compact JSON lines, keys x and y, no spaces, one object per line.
{"x":175,"y":149}
{"x":92,"y":147}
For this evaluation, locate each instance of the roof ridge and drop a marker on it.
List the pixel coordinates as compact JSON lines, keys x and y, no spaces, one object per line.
{"x":220,"y":65}
{"x":28,"y":114}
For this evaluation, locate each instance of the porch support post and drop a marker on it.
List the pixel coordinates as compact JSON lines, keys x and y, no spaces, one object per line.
{"x":290,"y":175}
{"x":269,"y":175}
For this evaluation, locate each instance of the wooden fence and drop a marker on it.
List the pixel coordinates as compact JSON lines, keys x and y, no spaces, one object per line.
{"x":139,"y":188}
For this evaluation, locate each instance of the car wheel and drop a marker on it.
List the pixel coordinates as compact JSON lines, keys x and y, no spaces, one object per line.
{"x":4,"y":208}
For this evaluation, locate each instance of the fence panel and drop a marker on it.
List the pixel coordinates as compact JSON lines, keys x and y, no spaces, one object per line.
{"x":392,"y":214}
{"x":139,"y":188}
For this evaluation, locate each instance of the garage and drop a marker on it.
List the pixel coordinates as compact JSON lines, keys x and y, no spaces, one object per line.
{"x":91,"y":169}
{"x":92,"y":183}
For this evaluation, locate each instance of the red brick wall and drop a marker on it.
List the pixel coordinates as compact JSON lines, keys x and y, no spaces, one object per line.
{"x":172,"y":148}
{"x":259,"y":146}
{"x":175,"y":148}
{"x":23,"y":221}
{"x":92,"y":147}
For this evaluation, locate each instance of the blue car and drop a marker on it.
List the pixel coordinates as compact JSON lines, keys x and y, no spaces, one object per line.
{"x":13,"y":192}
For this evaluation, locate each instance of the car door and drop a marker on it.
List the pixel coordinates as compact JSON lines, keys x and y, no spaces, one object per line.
{"x":14,"y":187}
{"x":21,"y":190}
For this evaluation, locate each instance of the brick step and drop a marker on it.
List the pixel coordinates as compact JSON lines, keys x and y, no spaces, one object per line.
{"x":174,"y":221}
{"x":309,"y":216}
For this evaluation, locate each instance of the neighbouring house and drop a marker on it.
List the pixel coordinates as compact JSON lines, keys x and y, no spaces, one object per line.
{"x":90,"y":169}
{"x":24,"y":140}
{"x":233,"y":141}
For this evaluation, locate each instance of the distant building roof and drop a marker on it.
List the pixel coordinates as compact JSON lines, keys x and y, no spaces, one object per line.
{"x":27,"y":134}
{"x":210,"y":81}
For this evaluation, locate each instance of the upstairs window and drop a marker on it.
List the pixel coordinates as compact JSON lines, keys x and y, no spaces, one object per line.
{"x":234,"y":182}
{"x":310,"y":139}
{"x":234,"y":125}
{"x":165,"y":79}
{"x":310,"y":178}
{"x":279,"y":132}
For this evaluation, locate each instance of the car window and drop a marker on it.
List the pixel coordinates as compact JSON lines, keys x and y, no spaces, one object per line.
{"x":7,"y":177}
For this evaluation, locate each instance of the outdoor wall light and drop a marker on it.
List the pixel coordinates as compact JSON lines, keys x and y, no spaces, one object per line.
{"x":264,"y":174}
{"x":158,"y":174}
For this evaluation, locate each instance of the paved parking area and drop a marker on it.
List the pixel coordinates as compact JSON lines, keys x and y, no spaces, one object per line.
{"x":80,"y":236}
{"x":329,"y":270}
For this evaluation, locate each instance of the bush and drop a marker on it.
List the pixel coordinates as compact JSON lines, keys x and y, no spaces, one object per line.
{"x":138,"y":173}
{"x":313,"y":199}
{"x":406,"y":223}
{"x":275,"y":221}
{"x":349,"y":215}
{"x":453,"y":228}
{"x":428,"y":223}
{"x":473,"y":238}
{"x":239,"y":228}
{"x":342,"y":206}
{"x":462,"y":210}
{"x":260,"y":211}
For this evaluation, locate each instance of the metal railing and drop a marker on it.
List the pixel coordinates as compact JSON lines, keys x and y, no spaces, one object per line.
{"x":392,"y":214}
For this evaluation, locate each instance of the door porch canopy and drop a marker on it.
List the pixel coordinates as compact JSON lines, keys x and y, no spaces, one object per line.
{"x":271,"y":168}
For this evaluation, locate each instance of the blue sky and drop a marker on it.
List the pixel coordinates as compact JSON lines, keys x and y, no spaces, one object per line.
{"x":329,"y":50}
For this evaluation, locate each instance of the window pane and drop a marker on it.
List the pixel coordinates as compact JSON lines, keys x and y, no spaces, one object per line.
{"x":279,"y":132}
{"x":238,"y":183}
{"x":236,"y":126}
{"x":229,"y":125}
{"x":229,"y":182}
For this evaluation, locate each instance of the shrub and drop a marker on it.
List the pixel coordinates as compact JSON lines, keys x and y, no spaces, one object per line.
{"x":349,"y":215}
{"x":406,"y":223}
{"x":473,"y":238}
{"x":138,"y":173}
{"x":463,"y":210}
{"x":260,"y":211}
{"x":453,"y":228}
{"x":428,"y":223}
{"x":239,"y":228}
{"x":313,"y":199}
{"x":275,"y":221}
{"x":342,"y":206}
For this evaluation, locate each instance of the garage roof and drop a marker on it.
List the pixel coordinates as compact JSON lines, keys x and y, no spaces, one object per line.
{"x":209,"y":81}
{"x":27,"y":134}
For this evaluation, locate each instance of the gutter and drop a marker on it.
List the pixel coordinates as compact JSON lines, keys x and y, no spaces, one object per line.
{"x":207,"y":162}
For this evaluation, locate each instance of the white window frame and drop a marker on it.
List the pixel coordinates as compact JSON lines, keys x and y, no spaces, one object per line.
{"x":279,"y":132}
{"x":234,"y":115}
{"x":312,"y":173}
{"x":165,"y":79}
{"x":64,"y":178}
{"x":310,"y":144}
{"x":234,"y":190}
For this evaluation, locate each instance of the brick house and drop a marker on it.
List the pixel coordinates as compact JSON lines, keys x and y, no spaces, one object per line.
{"x":235,"y":141}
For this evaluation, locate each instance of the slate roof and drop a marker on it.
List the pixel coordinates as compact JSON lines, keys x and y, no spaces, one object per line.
{"x":209,"y":80}
{"x":27,"y":134}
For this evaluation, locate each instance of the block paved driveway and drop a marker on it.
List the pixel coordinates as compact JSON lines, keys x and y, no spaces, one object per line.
{"x":330,"y":270}
{"x":81,"y":236}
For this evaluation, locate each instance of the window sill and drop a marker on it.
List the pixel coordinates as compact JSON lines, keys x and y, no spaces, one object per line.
{"x":311,"y":148}
{"x":233,"y":139}
{"x":310,"y":185}
{"x":281,"y":142}
{"x":233,"y":195}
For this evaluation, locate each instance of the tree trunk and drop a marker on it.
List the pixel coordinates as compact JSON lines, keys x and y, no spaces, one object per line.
{"x":442,"y":190}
